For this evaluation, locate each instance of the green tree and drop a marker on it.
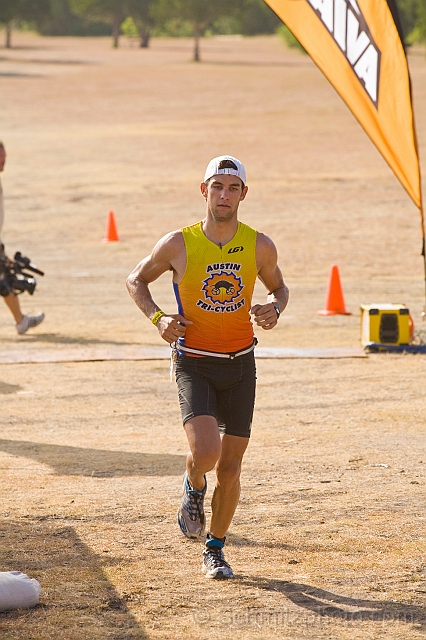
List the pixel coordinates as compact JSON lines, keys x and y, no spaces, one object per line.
{"x":143,"y":14}
{"x":257,"y":17}
{"x":111,"y":11}
{"x":290,"y":40}
{"x":407,"y":10}
{"x":62,"y":21}
{"x":413,"y":20}
{"x":418,"y":33}
{"x":199,"y":14}
{"x":247,"y":17}
{"x":421,"y":22}
{"x":15,"y":11}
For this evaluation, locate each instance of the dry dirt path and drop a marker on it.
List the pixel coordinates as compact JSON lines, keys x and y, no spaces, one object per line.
{"x":328,"y":541}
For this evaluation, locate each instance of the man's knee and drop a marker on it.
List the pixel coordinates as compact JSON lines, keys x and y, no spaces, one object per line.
{"x":205,"y":458}
{"x":228,"y":473}
{"x":204,"y":442}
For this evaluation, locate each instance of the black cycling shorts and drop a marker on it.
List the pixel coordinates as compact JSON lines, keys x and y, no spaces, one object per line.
{"x":224,"y":389}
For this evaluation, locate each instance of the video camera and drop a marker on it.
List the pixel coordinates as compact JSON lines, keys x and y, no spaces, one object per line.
{"x":13,"y":276}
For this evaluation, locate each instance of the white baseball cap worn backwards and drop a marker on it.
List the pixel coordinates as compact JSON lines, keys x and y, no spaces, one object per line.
{"x":225,"y":164}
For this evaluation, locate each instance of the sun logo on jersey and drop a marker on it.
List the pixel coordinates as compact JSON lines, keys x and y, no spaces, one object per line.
{"x":222,"y":287}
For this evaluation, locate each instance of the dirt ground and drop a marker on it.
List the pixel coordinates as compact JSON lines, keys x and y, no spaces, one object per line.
{"x":328,"y":540}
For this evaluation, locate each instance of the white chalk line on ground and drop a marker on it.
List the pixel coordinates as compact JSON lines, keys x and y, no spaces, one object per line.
{"x":96,"y":354}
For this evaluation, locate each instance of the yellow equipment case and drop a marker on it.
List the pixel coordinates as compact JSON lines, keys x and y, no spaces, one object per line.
{"x":388,"y":324}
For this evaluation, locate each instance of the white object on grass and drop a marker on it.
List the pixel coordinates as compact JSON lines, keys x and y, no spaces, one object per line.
{"x":18,"y":591}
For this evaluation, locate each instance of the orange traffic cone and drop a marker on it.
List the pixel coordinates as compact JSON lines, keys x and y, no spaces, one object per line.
{"x":334,"y":302}
{"x":111,"y":234}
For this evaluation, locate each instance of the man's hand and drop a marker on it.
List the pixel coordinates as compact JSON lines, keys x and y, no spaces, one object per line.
{"x":264,"y":315}
{"x":172,"y":327}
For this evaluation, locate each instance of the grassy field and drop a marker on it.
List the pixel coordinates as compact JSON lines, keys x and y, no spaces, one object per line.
{"x":328,"y":541}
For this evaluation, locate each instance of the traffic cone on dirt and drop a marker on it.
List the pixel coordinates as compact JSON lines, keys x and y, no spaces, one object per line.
{"x":111,"y":234}
{"x":334,"y":302}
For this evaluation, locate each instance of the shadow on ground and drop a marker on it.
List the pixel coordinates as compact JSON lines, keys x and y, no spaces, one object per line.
{"x":98,"y":463}
{"x":6,"y":388}
{"x":327,"y":604}
{"x":42,"y":61}
{"x":307,"y":63}
{"x":77,"y":599}
{"x":241,"y":541}
{"x":13,"y":74}
{"x":54,"y":338}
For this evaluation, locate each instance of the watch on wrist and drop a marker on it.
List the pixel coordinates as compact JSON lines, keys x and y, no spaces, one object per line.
{"x":277,"y":310}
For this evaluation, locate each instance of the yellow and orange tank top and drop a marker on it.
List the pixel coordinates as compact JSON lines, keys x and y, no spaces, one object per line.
{"x":216,"y":290}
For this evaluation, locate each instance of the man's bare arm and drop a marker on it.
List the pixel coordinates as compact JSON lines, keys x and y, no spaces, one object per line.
{"x":270,"y":275}
{"x":166,"y":256}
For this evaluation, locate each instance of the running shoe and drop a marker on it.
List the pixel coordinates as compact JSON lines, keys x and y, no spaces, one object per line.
{"x":29,"y":322}
{"x":191,"y":518}
{"x":215,"y":565}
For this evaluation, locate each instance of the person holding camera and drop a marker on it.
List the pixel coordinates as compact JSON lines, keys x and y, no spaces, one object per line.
{"x":23,"y":322}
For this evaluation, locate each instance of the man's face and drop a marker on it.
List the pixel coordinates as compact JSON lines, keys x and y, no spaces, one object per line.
{"x":2,"y":157}
{"x":223,"y":194}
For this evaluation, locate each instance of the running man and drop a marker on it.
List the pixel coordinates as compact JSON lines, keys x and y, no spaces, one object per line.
{"x":214,"y":264}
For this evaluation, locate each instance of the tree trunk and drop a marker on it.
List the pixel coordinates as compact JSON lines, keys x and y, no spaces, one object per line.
{"x":197,"y":35}
{"x":8,"y":35}
{"x":116,"y":24}
{"x":144,"y":35}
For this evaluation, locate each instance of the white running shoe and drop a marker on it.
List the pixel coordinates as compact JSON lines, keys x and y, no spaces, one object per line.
{"x":191,"y":517}
{"x":29,"y":322}
{"x":215,"y":565}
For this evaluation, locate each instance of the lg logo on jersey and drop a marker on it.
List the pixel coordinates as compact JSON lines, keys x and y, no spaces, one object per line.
{"x":235,"y":249}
